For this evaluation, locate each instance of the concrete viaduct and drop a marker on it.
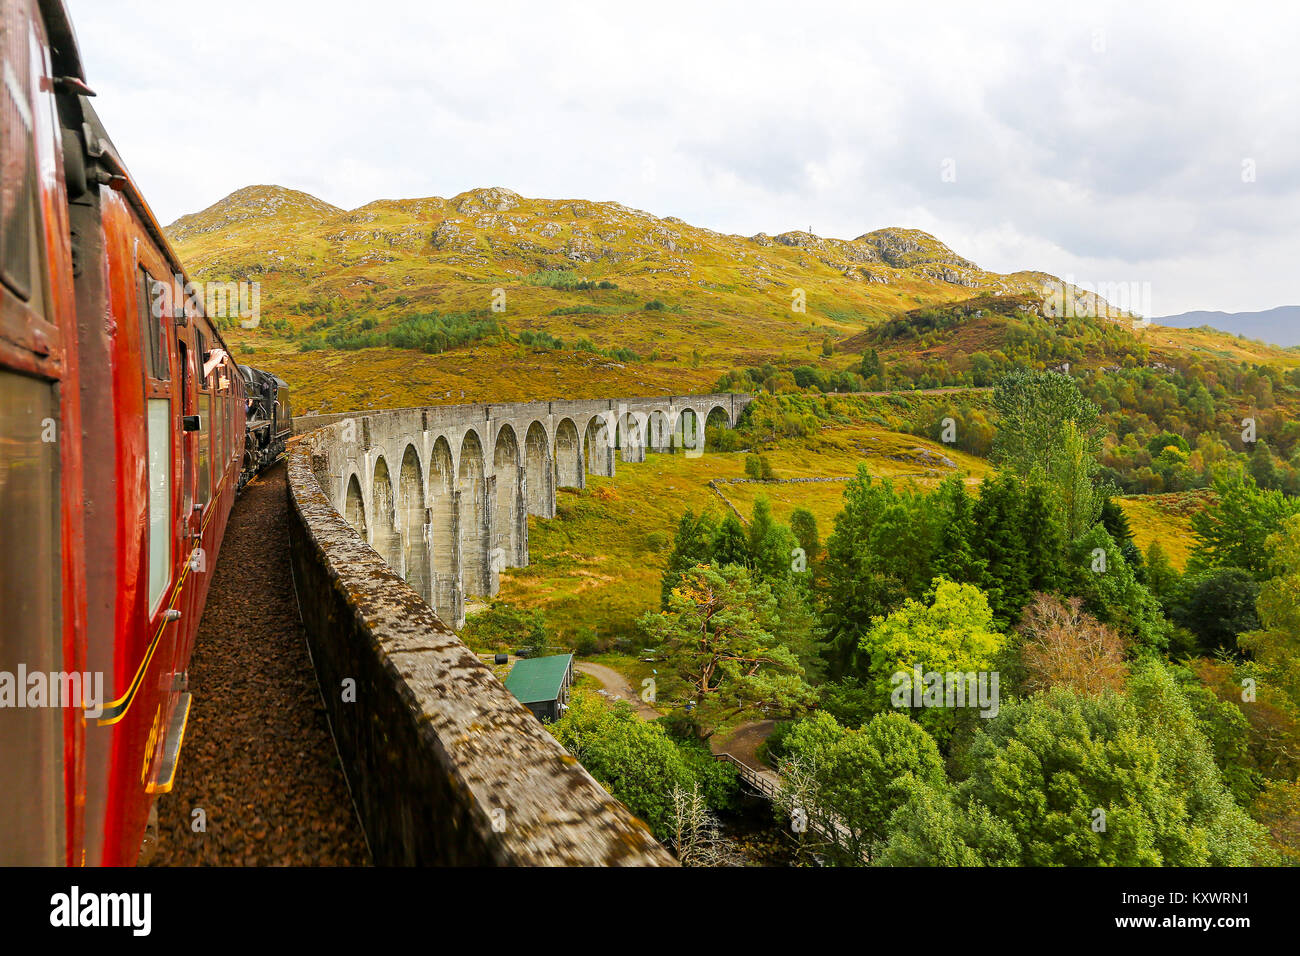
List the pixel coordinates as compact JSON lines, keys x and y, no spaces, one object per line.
{"x":443,"y":493}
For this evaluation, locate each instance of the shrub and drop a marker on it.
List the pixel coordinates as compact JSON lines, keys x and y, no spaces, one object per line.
{"x":506,"y":626}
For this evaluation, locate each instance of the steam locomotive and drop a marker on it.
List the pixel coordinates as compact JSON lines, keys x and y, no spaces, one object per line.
{"x":269,"y":421}
{"x":126,"y":430}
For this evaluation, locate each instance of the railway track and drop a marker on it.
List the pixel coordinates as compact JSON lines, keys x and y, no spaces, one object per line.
{"x":258,"y":761}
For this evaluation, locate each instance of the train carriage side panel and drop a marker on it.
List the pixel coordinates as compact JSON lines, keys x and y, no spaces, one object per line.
{"x":42,"y":596}
{"x":173,"y":380}
{"x":147,"y":502}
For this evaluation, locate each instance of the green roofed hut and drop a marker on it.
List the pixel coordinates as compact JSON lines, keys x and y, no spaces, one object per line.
{"x":542,"y":684}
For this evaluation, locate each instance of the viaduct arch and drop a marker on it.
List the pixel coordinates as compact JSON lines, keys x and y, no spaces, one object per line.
{"x":443,"y":493}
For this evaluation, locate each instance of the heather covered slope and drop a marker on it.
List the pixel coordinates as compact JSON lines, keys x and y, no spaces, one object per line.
{"x":636,"y":302}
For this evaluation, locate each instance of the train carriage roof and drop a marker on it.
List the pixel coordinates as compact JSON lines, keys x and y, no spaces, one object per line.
{"x":99,"y":145}
{"x":63,"y":39}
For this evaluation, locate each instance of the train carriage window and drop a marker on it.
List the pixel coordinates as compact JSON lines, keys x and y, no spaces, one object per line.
{"x":31,"y":770}
{"x":20,"y":216}
{"x":152,"y":323}
{"x":160,"y":499}
{"x":187,"y":408}
{"x":204,"y":437}
{"x":218,"y":436}
{"x":158,"y":434}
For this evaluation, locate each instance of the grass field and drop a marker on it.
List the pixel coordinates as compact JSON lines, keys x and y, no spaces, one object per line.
{"x":595,"y":568}
{"x":1167,"y":519}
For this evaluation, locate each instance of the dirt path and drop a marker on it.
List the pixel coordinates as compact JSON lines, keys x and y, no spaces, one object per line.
{"x":744,"y":742}
{"x":946,"y":390}
{"x":616,"y":685}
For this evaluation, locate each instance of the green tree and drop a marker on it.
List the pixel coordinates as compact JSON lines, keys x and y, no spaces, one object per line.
{"x":634,"y":760}
{"x":1162,"y":577}
{"x":1228,"y":732}
{"x":870,"y":367}
{"x":1112,"y":592}
{"x":1047,"y":541}
{"x":804,"y":525}
{"x":1075,"y":477}
{"x":1264,"y":468}
{"x":860,"y":582}
{"x":771,"y":544}
{"x":717,"y":636}
{"x":848,"y":701}
{"x":761,"y":523}
{"x":999,"y":533}
{"x":1034,"y":408}
{"x":1166,"y":440}
{"x":692,"y":545}
{"x":860,"y":777}
{"x":730,"y":544}
{"x":953,"y":632}
{"x":1115,"y":521}
{"x":954,"y":556}
{"x":1276,"y":645}
{"x":932,"y":829}
{"x":1236,"y":531}
{"x":1216,"y":606}
{"x":1079,"y":785}
{"x":1211,"y":816}
{"x":794,"y":626}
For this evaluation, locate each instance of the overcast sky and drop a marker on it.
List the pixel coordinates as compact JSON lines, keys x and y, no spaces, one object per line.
{"x":1095,"y":141}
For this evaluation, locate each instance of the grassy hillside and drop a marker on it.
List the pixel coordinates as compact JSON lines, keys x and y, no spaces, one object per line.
{"x":435,"y":300}
{"x":958,"y":336}
{"x":605,"y":280}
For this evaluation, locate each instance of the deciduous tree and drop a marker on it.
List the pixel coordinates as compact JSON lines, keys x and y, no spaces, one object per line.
{"x":1276,"y":645}
{"x":1066,"y":647}
{"x":862,"y":776}
{"x":1235,"y":532}
{"x":1033,"y":409}
{"x":951,"y":632}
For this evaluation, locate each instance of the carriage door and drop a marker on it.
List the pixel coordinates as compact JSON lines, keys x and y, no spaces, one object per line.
{"x":189,"y":442}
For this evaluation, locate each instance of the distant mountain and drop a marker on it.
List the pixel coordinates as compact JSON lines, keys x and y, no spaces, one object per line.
{"x":1280,"y":326}
{"x":325,"y":267}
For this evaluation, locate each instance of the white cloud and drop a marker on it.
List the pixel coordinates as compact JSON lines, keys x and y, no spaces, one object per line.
{"x":1100,"y":141}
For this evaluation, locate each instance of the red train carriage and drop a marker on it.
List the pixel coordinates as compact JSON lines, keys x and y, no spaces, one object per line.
{"x":121,"y":436}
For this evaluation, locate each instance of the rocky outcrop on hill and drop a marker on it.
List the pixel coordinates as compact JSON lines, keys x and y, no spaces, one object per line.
{"x":252,"y":203}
